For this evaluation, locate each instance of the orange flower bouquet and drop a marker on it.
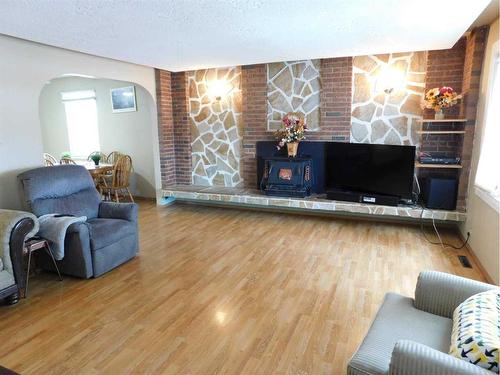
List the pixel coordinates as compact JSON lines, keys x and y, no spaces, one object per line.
{"x":291,"y":132}
{"x":439,"y":98}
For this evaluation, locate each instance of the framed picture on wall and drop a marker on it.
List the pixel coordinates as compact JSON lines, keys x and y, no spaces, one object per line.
{"x":123,"y":99}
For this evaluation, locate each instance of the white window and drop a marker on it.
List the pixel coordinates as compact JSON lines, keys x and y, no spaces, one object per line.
{"x":488,"y":172}
{"x":81,"y":121}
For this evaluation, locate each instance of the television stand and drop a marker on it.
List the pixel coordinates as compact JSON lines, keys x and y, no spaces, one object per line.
{"x":360,"y":197}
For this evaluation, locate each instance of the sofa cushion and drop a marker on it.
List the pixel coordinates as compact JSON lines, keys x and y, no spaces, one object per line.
{"x":104,"y":232}
{"x":476,"y":330}
{"x":398,"y":319}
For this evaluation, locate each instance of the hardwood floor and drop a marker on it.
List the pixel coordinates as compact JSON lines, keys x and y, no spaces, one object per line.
{"x":221,"y":291}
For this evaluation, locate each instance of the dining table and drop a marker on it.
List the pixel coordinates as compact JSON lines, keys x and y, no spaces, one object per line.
{"x":96,"y":171}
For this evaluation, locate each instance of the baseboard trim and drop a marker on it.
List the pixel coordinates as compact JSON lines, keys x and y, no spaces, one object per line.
{"x":476,"y":260}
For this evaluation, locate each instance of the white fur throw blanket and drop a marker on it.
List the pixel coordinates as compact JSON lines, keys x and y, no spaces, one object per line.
{"x":53,"y":228}
{"x":8,"y":219}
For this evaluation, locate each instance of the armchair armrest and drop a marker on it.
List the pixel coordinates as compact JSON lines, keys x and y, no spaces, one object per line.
{"x":124,"y":211}
{"x":440,"y":293}
{"x":411,"y":358}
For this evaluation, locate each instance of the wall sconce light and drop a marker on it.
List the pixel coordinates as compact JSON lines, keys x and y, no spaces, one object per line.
{"x":219,"y":88}
{"x":389,"y":80}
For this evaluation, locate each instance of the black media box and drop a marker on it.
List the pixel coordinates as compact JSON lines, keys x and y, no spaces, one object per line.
{"x":352,"y":196}
{"x":439,"y":193}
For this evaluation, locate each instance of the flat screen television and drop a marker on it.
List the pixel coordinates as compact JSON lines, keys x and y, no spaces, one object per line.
{"x":369,"y":168}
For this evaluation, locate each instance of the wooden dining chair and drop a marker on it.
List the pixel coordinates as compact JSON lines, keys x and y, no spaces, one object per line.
{"x":67,"y":161}
{"x":113,"y":157}
{"x":49,"y":160}
{"x":120,"y":180}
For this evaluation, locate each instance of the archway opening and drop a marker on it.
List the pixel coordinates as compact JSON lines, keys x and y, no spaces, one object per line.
{"x":80,"y":115}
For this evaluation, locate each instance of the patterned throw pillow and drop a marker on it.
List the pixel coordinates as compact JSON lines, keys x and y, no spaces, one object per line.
{"x":476,"y":330}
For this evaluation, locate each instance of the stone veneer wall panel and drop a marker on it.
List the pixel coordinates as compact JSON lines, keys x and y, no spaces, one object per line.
{"x":444,"y":67}
{"x":383,"y":118}
{"x":216,"y":127}
{"x":293,"y":86}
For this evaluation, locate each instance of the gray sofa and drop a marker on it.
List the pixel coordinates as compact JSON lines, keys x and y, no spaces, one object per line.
{"x":412,"y":336}
{"x":15,"y":226}
{"x":107,"y":239}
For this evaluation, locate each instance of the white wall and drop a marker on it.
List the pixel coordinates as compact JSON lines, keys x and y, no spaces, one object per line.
{"x":25,"y":67}
{"x":483,"y":220}
{"x":127,"y":132}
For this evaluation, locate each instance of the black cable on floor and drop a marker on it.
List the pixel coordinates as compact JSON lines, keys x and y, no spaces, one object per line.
{"x":443,"y":244}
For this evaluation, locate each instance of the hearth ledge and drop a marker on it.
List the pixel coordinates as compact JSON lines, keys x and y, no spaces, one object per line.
{"x":253,"y":198}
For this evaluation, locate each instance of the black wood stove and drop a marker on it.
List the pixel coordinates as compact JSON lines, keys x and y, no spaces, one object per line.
{"x":287,"y":177}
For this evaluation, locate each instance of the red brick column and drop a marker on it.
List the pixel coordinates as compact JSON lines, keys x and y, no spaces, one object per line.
{"x":335,"y":101}
{"x":182,"y":131}
{"x":254,"y":118}
{"x":474,"y":54}
{"x":165,"y":126}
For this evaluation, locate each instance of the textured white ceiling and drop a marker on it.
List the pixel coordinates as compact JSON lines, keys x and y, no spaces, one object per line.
{"x":187,"y":34}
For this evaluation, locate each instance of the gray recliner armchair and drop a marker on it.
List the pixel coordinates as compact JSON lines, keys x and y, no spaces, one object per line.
{"x":107,"y":239}
{"x":412,"y":336}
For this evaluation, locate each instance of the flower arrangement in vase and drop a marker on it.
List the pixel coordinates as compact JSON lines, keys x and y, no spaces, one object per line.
{"x":439,"y":98}
{"x":291,"y":132}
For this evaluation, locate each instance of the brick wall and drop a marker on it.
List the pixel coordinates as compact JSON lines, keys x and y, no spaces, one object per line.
{"x":254,"y":116}
{"x":336,"y":98}
{"x":336,"y":76}
{"x":173,"y":127}
{"x":474,"y":54}
{"x":458,"y":67}
{"x":182,"y":133}
{"x":446,"y":68}
{"x":165,"y":126}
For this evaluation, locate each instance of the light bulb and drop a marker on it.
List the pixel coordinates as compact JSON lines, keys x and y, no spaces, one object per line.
{"x":218,"y":89}
{"x":389,"y":80}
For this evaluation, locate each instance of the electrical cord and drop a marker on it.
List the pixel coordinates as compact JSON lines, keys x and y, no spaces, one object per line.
{"x":443,"y":244}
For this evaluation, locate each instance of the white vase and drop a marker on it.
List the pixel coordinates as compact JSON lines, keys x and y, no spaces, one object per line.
{"x":439,"y":115}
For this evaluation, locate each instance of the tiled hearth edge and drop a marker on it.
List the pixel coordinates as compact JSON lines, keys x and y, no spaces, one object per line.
{"x":253,"y":198}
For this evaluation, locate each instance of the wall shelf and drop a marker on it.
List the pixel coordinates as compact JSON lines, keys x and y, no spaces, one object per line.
{"x":441,"y":132}
{"x":438,"y":166}
{"x":443,"y":120}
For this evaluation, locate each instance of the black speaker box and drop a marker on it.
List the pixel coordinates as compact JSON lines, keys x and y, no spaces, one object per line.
{"x":440,"y":193}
